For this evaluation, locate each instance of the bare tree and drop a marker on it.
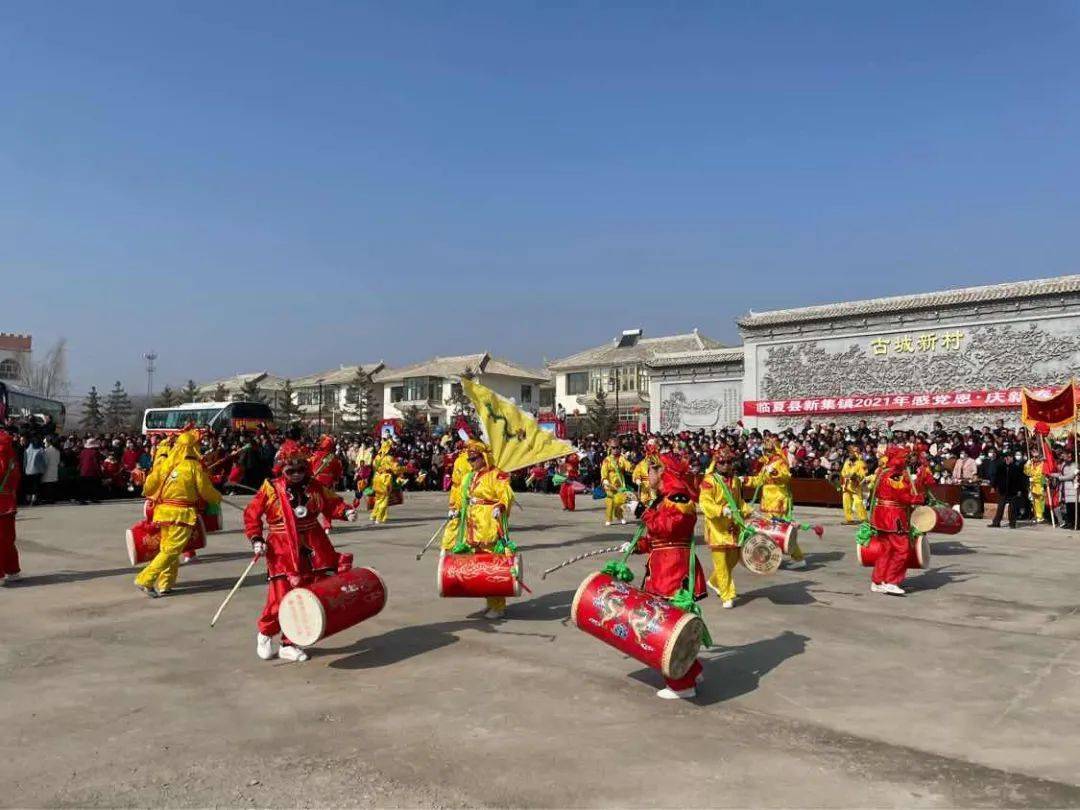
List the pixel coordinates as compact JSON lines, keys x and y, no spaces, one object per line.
{"x":48,"y":376}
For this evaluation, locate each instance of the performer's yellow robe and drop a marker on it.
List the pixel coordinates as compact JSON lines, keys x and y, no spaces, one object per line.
{"x":852,"y":475}
{"x":383,"y":484}
{"x":176,"y":488}
{"x":1037,"y":487}
{"x":774,"y":478}
{"x":640,"y":477}
{"x":489,"y":490}
{"x":613,"y":478}
{"x":461,"y":468}
{"x":721,"y":530}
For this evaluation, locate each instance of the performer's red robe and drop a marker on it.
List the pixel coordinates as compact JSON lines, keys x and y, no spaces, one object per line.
{"x":566,"y":490}
{"x":10,"y":474}
{"x":894,"y":497}
{"x":297,"y":549}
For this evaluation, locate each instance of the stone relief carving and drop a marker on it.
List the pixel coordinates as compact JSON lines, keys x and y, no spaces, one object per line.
{"x":996,"y":356}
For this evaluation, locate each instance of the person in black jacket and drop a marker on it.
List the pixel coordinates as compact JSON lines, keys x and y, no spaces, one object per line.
{"x":1011,"y":484}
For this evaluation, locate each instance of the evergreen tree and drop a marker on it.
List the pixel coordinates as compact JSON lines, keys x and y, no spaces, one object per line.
{"x":249,"y":392}
{"x":414,"y":425}
{"x":92,"y":418}
{"x":167,"y":398}
{"x":221,"y":393}
{"x":118,"y":410}
{"x":602,"y":420}
{"x":287,"y":411}
{"x":190,"y":392}
{"x":360,"y":402}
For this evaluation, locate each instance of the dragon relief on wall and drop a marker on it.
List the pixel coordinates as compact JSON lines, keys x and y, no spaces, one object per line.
{"x":991,"y":357}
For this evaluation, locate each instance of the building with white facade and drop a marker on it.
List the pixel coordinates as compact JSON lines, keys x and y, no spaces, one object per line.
{"x":14,"y":355}
{"x":621,"y":369}
{"x":433,"y":385}
{"x":338,"y":395}
{"x":266,"y":385}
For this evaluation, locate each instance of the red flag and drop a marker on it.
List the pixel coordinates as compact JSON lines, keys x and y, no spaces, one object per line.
{"x":1056,"y":410}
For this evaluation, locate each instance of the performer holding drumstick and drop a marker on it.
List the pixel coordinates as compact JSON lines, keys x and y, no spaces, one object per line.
{"x":296,"y":547}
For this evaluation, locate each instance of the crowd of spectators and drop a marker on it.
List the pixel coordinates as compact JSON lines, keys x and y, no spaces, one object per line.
{"x":87,"y":467}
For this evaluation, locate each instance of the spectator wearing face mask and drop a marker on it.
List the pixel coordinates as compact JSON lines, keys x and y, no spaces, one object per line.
{"x":965,"y":471}
{"x":1011,"y":486}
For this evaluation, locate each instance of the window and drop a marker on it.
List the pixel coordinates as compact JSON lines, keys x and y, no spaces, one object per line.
{"x":9,"y":369}
{"x":526,"y":395}
{"x":598,"y":380}
{"x":547,"y":398}
{"x":417,"y":388}
{"x":577,"y":382}
{"x":397,"y":393}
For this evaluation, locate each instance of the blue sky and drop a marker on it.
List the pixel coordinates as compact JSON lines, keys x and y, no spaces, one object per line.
{"x":295,"y":185}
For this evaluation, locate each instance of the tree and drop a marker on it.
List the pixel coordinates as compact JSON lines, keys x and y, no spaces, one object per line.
{"x":287,"y":410}
{"x":249,"y":392}
{"x":359,"y":404}
{"x":167,"y":398}
{"x":118,"y":410}
{"x":92,"y":417}
{"x":190,"y":392}
{"x":221,"y":393}
{"x":49,"y":376}
{"x":414,"y":424}
{"x":602,"y":420}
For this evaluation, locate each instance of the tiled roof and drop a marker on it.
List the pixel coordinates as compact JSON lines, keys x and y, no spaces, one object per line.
{"x":337,"y":376}
{"x":482,"y":363}
{"x":726,"y":355}
{"x":644,"y":350}
{"x":263,"y":379}
{"x":901,"y":303}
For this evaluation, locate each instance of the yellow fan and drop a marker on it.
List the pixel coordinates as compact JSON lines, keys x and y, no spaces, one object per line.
{"x":515,"y":439}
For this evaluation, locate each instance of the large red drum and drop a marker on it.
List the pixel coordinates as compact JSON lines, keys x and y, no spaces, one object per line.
{"x":144,"y":541}
{"x":331,"y":604}
{"x":781,"y":532}
{"x":480,"y":574}
{"x":643,"y":626}
{"x":396,"y":499}
{"x":937,"y":519}
{"x":211,"y":517}
{"x":918,"y":553}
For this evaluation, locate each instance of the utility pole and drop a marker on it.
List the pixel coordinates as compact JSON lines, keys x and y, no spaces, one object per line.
{"x":320,"y":382}
{"x":150,"y":357}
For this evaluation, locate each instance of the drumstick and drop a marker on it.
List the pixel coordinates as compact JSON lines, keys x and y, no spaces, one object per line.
{"x":432,"y":540}
{"x":235,"y":588}
{"x":580,"y":557}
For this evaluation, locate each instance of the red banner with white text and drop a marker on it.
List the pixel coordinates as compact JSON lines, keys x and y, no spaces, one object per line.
{"x":879,"y":403}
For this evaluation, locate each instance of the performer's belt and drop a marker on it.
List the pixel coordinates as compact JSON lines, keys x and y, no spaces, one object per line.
{"x":301,"y":525}
{"x":654,"y":545}
{"x":478,"y":502}
{"x":897,"y":504}
{"x":175,"y":502}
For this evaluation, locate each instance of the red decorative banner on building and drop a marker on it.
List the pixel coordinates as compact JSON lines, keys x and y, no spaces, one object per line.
{"x":1055,"y":408}
{"x":876,"y":403}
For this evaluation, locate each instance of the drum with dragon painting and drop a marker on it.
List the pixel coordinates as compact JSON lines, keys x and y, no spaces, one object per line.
{"x":480,"y":574}
{"x":643,"y":626}
{"x":781,"y":532}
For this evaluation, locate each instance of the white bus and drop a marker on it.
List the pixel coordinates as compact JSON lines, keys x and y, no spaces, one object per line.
{"x":213,"y":415}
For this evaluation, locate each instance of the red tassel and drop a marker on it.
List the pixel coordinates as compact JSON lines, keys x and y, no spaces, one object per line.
{"x":819,"y":530}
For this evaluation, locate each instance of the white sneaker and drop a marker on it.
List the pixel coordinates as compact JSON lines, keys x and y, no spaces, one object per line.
{"x":893,"y":590}
{"x":670,"y":694}
{"x":607,"y":522}
{"x":623,"y":521}
{"x":14,"y":577}
{"x":875,"y":588}
{"x":290,"y":652}
{"x":728,"y":604}
{"x":264,"y":646}
{"x":797,"y":565}
{"x":493,"y":614}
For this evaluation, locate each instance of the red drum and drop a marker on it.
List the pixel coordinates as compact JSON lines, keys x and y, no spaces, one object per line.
{"x":211,"y":517}
{"x":144,"y":541}
{"x":396,"y":499}
{"x":480,"y":574}
{"x":781,"y":532}
{"x":643,"y":626}
{"x":344,"y":562}
{"x":761,"y":554}
{"x":937,"y":519}
{"x":918,"y":553}
{"x":330,"y":605}
{"x":148,"y":510}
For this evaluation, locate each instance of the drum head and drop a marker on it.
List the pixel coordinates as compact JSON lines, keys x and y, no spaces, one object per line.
{"x":761,"y":555}
{"x":971,"y":506}
{"x":302,"y":617}
{"x":520,"y":564}
{"x":923,"y":519}
{"x":582,"y":588}
{"x":130,"y":540}
{"x":682,"y":646}
{"x":922,"y":551}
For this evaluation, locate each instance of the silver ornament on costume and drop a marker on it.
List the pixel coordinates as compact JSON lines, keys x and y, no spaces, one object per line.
{"x":300,"y":511}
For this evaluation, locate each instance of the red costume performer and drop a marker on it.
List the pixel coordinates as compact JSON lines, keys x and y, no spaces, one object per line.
{"x":296,"y":548}
{"x":326,"y":468}
{"x":10,"y":473}
{"x":894,"y":496}
{"x":668,"y":540}
{"x":566,"y":490}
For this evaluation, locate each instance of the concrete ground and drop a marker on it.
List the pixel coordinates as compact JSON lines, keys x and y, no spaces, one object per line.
{"x":964,"y":693}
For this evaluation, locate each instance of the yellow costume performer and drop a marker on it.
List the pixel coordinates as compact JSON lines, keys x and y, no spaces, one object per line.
{"x":613,"y":472}
{"x":481,"y":500}
{"x":640,"y":476}
{"x":382,"y":482}
{"x":721,"y":491}
{"x":175,"y":485}
{"x":852,"y":475}
{"x":1037,"y":487}
{"x":774,"y":479}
